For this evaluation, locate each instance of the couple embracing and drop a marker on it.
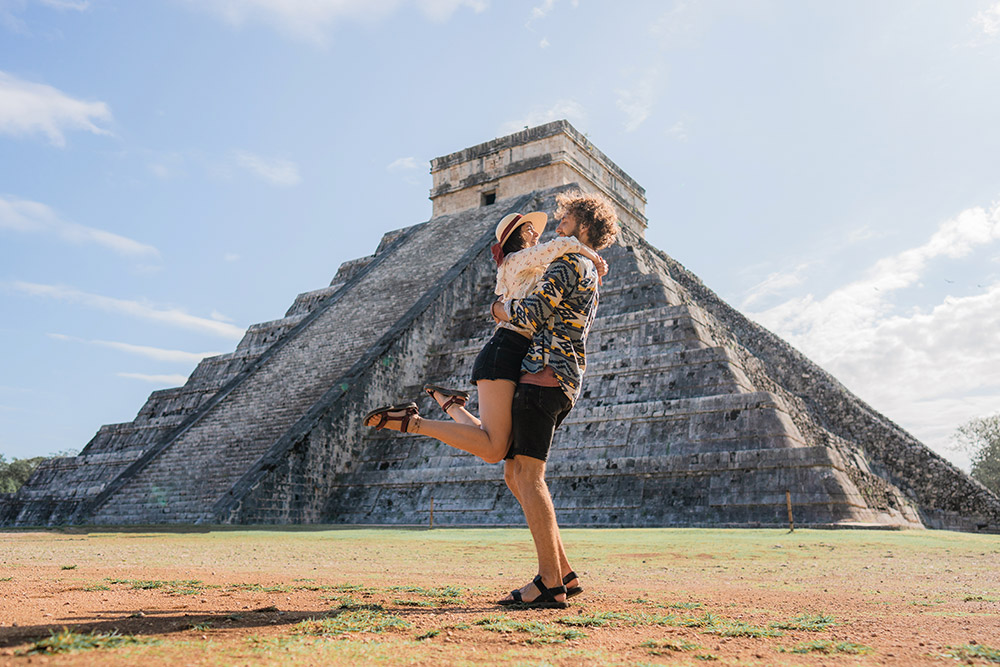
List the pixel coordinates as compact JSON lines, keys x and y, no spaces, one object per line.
{"x":529,"y":373}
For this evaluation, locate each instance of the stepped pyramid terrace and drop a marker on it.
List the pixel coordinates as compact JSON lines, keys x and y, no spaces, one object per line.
{"x":691,"y":414}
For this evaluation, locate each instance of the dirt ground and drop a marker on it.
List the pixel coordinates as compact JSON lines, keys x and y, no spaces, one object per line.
{"x":426,"y":597}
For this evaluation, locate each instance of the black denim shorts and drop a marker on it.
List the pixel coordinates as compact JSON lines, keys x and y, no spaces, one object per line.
{"x":501,"y":357}
{"x":535,"y":415}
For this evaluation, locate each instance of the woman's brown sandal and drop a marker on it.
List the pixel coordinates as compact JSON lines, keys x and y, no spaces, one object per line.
{"x":455,"y":396}
{"x":408,"y":409}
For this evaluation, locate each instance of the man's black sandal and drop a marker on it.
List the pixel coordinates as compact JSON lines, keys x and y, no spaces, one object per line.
{"x":454,"y":396}
{"x":546,"y":597}
{"x":573,"y":590}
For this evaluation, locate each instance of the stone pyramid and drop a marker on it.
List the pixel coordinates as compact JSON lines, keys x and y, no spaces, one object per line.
{"x":691,"y":415}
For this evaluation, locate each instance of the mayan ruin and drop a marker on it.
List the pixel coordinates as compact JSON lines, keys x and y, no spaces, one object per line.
{"x":692,"y":415}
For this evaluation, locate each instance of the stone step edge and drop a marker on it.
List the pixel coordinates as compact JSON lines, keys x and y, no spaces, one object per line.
{"x":647,"y":466}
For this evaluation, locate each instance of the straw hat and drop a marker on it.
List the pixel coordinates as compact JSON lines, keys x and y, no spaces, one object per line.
{"x":511,"y":222}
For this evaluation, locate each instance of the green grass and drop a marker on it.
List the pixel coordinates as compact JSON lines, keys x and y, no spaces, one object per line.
{"x":427,"y":635}
{"x":595,"y":620}
{"x":809,"y":623}
{"x":97,"y":587}
{"x":445,"y":594}
{"x":67,"y":567}
{"x":67,"y":641}
{"x":414,"y":603}
{"x":667,"y":646}
{"x":200,"y":627}
{"x":681,"y":605}
{"x":6,"y":578}
{"x":169,"y":586}
{"x":970,"y":652}
{"x":540,"y":633}
{"x":828,"y":647}
{"x":361,"y":620}
{"x":731,"y":628}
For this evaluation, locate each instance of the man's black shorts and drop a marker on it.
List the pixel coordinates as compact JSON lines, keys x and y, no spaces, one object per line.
{"x":535,"y":414}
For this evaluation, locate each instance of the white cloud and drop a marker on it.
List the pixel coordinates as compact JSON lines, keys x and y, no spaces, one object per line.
{"x":164,"y":380}
{"x":231,"y":257}
{"x":544,"y":44}
{"x":679,"y":131}
{"x":75,"y":5}
{"x":988,"y":20}
{"x":28,"y":108}
{"x":170,"y":316}
{"x":313,"y":19}
{"x":774,"y":283}
{"x":637,"y":102}
{"x":154,"y":353}
{"x":568,"y":109}
{"x":403,"y":163}
{"x":929,"y":369}
{"x":542,"y":10}
{"x":274,"y":171}
{"x":27,"y":216}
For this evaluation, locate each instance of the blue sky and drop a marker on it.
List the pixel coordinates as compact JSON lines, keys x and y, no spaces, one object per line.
{"x":172,"y":171}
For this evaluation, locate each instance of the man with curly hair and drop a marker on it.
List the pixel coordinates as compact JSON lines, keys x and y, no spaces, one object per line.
{"x":560,"y":311}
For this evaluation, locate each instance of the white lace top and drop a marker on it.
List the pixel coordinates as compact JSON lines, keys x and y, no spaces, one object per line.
{"x":521,"y":271}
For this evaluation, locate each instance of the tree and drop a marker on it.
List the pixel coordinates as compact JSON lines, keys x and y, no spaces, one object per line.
{"x":981,"y":438}
{"x":16,"y":472}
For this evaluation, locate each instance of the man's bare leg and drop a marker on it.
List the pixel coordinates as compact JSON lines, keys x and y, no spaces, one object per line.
{"x":510,"y":477}
{"x":533,"y":494}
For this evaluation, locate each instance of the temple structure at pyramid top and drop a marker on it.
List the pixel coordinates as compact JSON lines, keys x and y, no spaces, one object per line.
{"x":547,"y":156}
{"x":690,"y":414}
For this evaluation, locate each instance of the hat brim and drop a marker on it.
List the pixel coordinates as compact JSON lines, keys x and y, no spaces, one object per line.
{"x":538,"y":220}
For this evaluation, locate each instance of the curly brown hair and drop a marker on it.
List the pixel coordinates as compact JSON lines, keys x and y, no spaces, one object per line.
{"x":594,"y":212}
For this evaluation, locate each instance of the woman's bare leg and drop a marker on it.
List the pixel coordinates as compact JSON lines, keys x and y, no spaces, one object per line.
{"x":491,"y":439}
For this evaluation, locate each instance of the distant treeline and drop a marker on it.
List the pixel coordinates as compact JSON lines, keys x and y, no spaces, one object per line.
{"x":16,"y":472}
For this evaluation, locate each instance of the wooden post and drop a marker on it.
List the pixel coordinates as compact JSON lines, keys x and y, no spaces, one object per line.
{"x":788,"y":502}
{"x":431,"y":525}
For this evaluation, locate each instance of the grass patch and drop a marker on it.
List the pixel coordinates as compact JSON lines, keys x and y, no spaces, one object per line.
{"x":827,"y":647}
{"x":681,"y":605}
{"x":67,"y":641}
{"x":6,"y":578}
{"x":414,"y":603}
{"x":427,"y":635}
{"x":730,"y":628}
{"x":667,"y":646}
{"x":704,"y":621}
{"x":347,"y":603}
{"x":809,"y":623}
{"x":444,"y":594}
{"x":595,"y":620}
{"x":259,"y":588}
{"x":361,"y":620}
{"x":352,"y":588}
{"x":97,"y":587}
{"x":540,"y":633}
{"x":200,"y":627}
{"x":973,"y":652}
{"x":707,"y":657}
{"x":967,"y":598}
{"x":67,"y":567}
{"x":169,"y":586}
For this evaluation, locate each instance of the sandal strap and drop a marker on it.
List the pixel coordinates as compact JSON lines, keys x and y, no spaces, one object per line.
{"x":569,"y":577}
{"x":546,"y":594}
{"x":460,"y":401}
